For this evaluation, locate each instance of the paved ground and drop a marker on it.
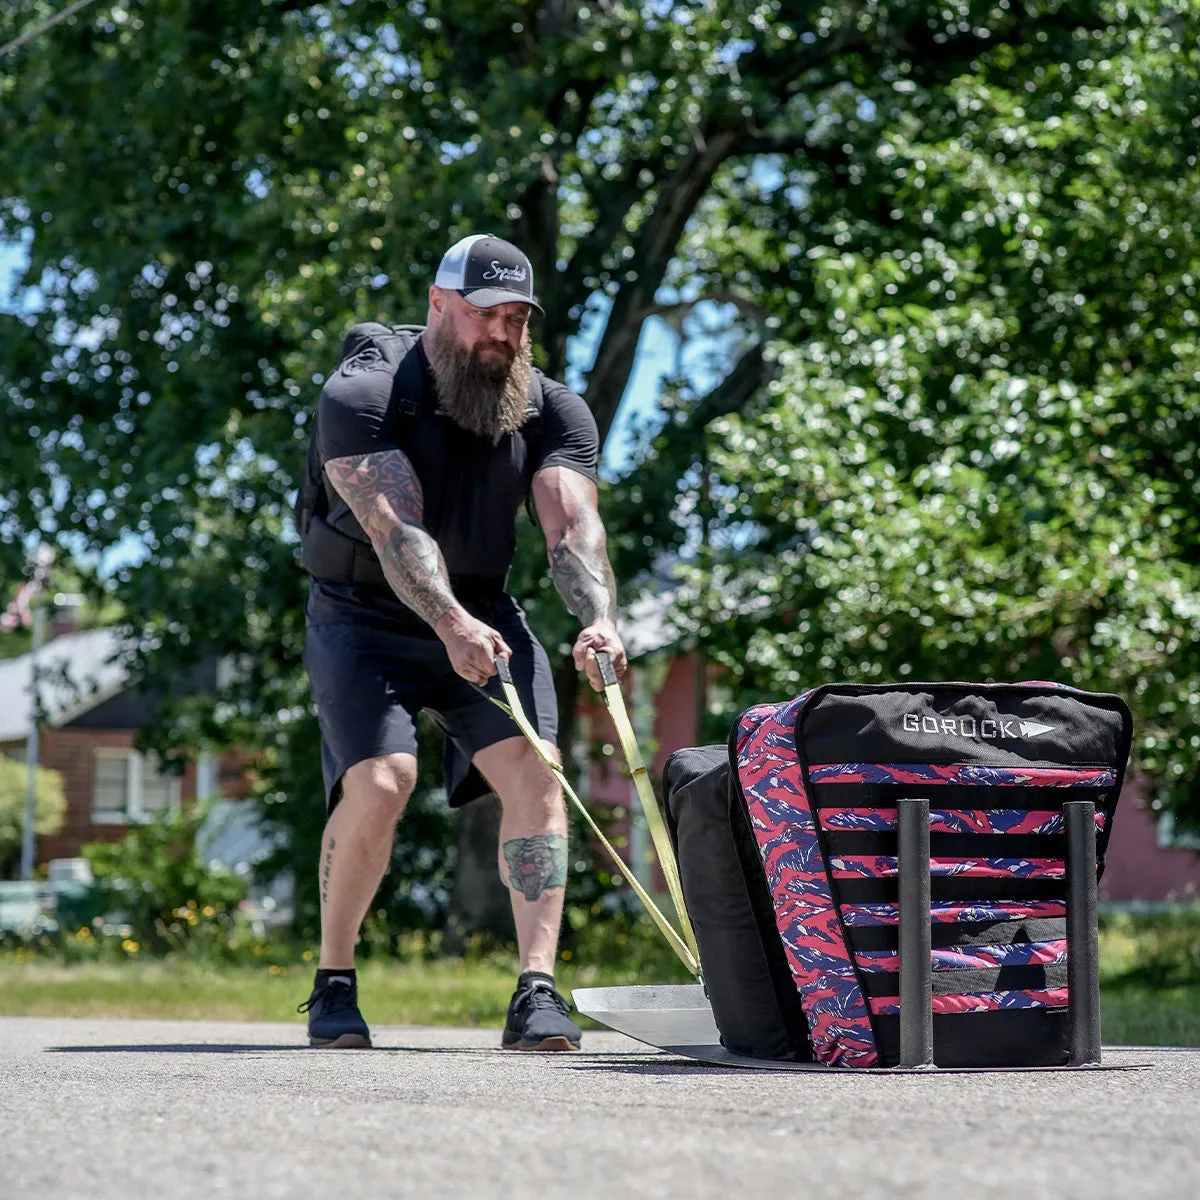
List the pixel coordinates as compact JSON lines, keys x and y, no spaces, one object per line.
{"x":125,"y":1110}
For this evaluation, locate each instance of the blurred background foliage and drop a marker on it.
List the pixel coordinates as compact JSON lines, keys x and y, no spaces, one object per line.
{"x":932,"y":268}
{"x":50,"y":806}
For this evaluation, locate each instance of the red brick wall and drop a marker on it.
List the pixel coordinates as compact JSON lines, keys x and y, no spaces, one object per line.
{"x":71,"y":752}
{"x":234,"y":771}
{"x":1137,"y":867}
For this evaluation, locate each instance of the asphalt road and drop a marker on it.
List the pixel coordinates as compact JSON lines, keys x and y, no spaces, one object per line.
{"x":132,"y":1109}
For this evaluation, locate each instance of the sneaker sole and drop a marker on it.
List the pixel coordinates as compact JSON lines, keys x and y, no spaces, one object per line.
{"x":345,"y":1041}
{"x":550,"y":1043}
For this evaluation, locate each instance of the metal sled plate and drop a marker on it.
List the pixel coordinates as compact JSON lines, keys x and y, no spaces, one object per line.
{"x":666,"y":1016}
{"x":677,"y":1019}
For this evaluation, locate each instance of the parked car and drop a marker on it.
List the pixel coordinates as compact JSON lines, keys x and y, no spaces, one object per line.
{"x":23,"y":907}
{"x":72,"y":898}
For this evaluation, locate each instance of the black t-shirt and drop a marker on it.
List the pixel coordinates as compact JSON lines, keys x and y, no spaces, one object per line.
{"x":473,"y":487}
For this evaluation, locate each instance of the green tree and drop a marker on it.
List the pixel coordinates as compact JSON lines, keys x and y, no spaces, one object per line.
{"x":212,"y":193}
{"x":979,"y":455}
{"x":50,"y":806}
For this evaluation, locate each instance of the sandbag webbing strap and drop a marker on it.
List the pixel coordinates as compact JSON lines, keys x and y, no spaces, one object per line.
{"x":686,"y":952}
{"x":645,"y":791}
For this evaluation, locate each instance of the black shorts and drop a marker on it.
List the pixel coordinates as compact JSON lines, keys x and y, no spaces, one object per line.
{"x":369,"y":679}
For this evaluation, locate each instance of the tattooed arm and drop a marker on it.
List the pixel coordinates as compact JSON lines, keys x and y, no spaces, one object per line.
{"x":578,"y":549}
{"x":385,"y":496}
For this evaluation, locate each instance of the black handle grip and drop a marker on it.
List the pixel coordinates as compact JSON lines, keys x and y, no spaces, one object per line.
{"x":608,"y":673}
{"x":503,"y":670}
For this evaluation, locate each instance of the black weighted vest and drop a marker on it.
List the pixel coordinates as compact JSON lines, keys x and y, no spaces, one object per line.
{"x":326,"y":552}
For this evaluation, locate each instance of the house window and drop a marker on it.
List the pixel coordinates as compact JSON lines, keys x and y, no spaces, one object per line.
{"x":1171,"y":838}
{"x":130,"y":787}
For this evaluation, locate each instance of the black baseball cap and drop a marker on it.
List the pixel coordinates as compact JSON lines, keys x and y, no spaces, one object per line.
{"x":488,"y":271}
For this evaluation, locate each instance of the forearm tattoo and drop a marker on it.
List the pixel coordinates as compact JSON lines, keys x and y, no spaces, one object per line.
{"x":384,"y":494}
{"x":417,"y":572}
{"x":536,"y":864}
{"x":581,"y":570}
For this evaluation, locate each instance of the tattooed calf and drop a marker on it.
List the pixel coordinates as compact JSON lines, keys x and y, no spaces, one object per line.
{"x":536,"y":863}
{"x":328,"y":866}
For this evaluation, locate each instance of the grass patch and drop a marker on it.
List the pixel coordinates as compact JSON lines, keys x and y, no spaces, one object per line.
{"x":441,"y":992}
{"x":1150,"y":982}
{"x":1150,"y":977}
{"x":434,"y":993}
{"x":1131,"y":1016}
{"x":409,"y":986}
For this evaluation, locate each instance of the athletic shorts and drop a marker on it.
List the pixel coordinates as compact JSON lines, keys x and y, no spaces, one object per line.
{"x":370,"y":679}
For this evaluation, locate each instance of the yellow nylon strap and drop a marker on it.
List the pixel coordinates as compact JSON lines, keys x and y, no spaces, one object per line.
{"x":645,"y":791}
{"x":687,"y":952}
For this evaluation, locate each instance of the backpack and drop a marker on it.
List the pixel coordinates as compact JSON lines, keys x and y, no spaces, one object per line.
{"x":787,"y":849}
{"x":326,"y":552}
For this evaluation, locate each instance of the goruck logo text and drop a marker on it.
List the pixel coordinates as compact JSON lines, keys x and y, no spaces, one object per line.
{"x":988,"y":728}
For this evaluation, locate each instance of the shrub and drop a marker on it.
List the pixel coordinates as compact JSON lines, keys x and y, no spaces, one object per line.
{"x":50,"y":804}
{"x":158,"y":883}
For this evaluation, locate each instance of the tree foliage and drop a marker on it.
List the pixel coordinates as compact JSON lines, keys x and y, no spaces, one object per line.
{"x":157,"y":880}
{"x":979,"y":456}
{"x":50,"y":804}
{"x":938,"y":230}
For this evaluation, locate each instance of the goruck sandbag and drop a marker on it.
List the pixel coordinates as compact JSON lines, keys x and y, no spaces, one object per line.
{"x":756,"y":1009}
{"x":809,"y":788}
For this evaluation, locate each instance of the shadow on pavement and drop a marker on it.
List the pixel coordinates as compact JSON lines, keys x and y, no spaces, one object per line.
{"x":171,"y":1048}
{"x":650,"y":1067}
{"x":251,"y":1048}
{"x":624,"y":1064}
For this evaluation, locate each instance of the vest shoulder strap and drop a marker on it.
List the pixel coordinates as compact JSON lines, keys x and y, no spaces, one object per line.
{"x":367,"y":345}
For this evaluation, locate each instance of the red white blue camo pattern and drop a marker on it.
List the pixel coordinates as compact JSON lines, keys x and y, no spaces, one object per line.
{"x":980,"y":1001}
{"x":883,"y":866}
{"x":963,"y":773}
{"x":954,"y":820}
{"x":808,"y":919}
{"x":805,"y":913}
{"x":955,"y":912}
{"x":955,"y":958}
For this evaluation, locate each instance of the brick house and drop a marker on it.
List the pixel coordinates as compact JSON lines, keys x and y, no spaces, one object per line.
{"x":93,"y":715}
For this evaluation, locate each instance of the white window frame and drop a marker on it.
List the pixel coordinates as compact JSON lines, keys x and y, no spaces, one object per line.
{"x":1169,"y":839}
{"x":134,"y":812}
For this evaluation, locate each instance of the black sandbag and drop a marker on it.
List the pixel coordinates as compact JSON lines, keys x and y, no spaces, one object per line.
{"x":749,"y":985}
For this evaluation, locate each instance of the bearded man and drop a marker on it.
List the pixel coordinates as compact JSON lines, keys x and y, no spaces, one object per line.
{"x":426,"y":444}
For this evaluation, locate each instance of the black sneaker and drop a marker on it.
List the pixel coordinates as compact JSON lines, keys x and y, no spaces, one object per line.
{"x":537,"y":1017}
{"x":334,"y":1022}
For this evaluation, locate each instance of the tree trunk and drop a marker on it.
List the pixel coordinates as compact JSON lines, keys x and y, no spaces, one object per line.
{"x":479,"y":903}
{"x":566,"y":689}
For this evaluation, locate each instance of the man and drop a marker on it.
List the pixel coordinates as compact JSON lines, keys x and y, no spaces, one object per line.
{"x":415,"y":499}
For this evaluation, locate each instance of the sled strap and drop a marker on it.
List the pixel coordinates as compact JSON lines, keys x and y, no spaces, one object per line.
{"x":645,"y":792}
{"x":687,"y":953}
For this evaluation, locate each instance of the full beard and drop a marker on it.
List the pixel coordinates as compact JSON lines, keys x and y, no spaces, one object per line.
{"x":482,"y":389}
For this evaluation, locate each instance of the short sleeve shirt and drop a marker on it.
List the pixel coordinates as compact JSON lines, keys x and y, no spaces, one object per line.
{"x":473,"y":486}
